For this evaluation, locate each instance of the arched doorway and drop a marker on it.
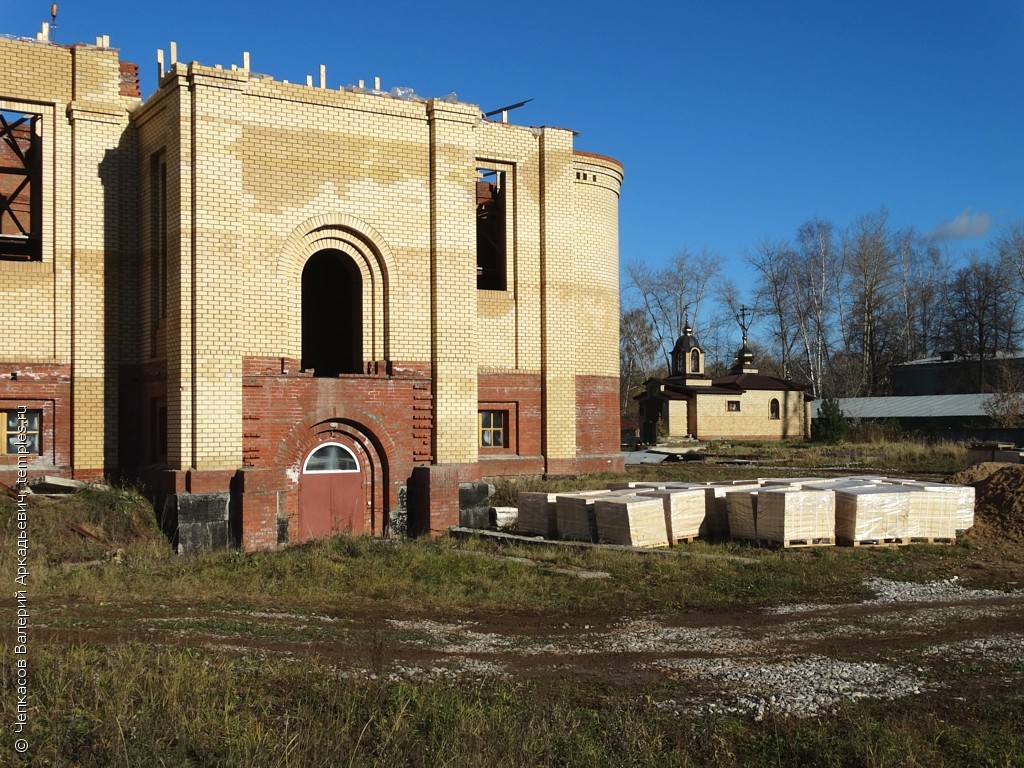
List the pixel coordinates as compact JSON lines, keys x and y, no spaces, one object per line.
{"x":332,"y":314}
{"x":331,"y":497}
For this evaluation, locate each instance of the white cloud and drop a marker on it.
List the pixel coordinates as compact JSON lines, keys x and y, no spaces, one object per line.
{"x":965,"y":225}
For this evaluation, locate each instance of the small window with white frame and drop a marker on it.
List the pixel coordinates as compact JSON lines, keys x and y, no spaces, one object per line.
{"x":22,"y":432}
{"x":331,"y":457}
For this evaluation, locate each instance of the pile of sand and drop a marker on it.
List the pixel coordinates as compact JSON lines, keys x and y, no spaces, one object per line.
{"x":999,"y":497}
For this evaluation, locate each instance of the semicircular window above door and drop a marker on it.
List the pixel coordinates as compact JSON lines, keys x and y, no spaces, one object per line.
{"x":331,"y":457}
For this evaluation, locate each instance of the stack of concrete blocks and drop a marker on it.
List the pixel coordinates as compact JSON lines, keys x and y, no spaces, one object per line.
{"x":685,"y":512}
{"x":574,"y":514}
{"x":872,"y":514}
{"x":742,"y":514}
{"x":793,"y":515}
{"x":1001,"y":452}
{"x":964,"y":494}
{"x":939,"y":518}
{"x":718,"y":504}
{"x":538,"y":514}
{"x":636,"y":521}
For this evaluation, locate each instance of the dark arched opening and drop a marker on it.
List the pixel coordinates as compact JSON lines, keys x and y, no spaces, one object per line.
{"x":332,"y":314}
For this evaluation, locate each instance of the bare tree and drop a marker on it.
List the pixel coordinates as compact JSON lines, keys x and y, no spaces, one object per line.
{"x":816,"y":297}
{"x":870,"y":274}
{"x":1009,"y":247}
{"x":981,"y":309}
{"x":774,"y":263}
{"x":1006,"y":406}
{"x":638,"y":357}
{"x":675,"y":295}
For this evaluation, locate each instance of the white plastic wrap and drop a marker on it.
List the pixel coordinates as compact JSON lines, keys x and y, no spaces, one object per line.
{"x":741,"y":508}
{"x":637,"y":521}
{"x":964,"y":495}
{"x":717,"y":505}
{"x":872,"y":513}
{"x":684,"y":511}
{"x":796,"y":514}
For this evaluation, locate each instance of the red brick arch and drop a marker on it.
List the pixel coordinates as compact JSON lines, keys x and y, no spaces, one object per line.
{"x":358,"y":430}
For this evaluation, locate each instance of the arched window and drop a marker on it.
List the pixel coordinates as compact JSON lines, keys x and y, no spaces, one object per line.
{"x":773,"y":409}
{"x":332,"y":314}
{"x":695,"y":361}
{"x":331,"y":457}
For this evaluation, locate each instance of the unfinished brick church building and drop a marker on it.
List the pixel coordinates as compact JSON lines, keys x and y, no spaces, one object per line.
{"x":296,"y":310}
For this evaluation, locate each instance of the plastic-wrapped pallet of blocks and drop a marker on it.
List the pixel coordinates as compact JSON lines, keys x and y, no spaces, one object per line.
{"x":964,"y":503}
{"x":741,"y":507}
{"x":874,"y":514}
{"x":796,"y":517}
{"x":538,"y":515}
{"x":574,"y":513}
{"x":717,"y":507}
{"x":933,"y":515}
{"x":637,"y":521}
{"x":684,"y":512}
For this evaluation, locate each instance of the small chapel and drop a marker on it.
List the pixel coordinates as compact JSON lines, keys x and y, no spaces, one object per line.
{"x":742,"y":405}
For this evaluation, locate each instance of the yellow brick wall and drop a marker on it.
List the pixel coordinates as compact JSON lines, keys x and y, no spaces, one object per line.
{"x":597,"y":182}
{"x":559,"y":330}
{"x":714,"y":420}
{"x":72,"y":298}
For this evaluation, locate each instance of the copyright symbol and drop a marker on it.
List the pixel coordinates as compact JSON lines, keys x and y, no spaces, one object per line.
{"x":20,"y":746}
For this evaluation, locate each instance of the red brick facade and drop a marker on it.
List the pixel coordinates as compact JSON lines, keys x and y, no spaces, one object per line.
{"x":46,"y":388}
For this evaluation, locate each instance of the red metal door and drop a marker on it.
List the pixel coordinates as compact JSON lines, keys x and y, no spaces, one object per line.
{"x":331,"y":498}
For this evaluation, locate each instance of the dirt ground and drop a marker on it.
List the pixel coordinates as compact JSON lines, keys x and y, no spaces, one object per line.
{"x":802,"y":659}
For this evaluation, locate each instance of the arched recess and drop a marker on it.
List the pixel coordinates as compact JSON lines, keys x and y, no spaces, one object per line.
{"x":332,"y":314}
{"x":372,"y":256}
{"x":365,"y":437}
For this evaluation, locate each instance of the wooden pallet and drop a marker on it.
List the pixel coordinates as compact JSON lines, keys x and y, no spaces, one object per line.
{"x":933,"y":539}
{"x":684,"y":540}
{"x":792,"y":543}
{"x":894,"y":542}
{"x":789,"y":543}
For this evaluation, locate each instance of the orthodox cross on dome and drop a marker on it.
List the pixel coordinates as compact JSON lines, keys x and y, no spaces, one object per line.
{"x":744,"y":317}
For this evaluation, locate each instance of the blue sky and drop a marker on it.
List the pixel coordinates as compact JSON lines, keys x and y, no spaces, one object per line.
{"x":735,"y":121}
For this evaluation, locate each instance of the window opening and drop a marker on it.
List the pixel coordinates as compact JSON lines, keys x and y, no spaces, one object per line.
{"x":22,"y":432}
{"x":773,"y":409}
{"x":491,"y":223}
{"x":732,"y":405}
{"x":695,"y":361}
{"x":20,"y":186}
{"x":332,"y":314}
{"x":331,"y":457}
{"x":493,"y":429}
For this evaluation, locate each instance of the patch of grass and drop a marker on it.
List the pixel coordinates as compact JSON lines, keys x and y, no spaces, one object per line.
{"x":137,"y":705}
{"x":118,"y":520}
